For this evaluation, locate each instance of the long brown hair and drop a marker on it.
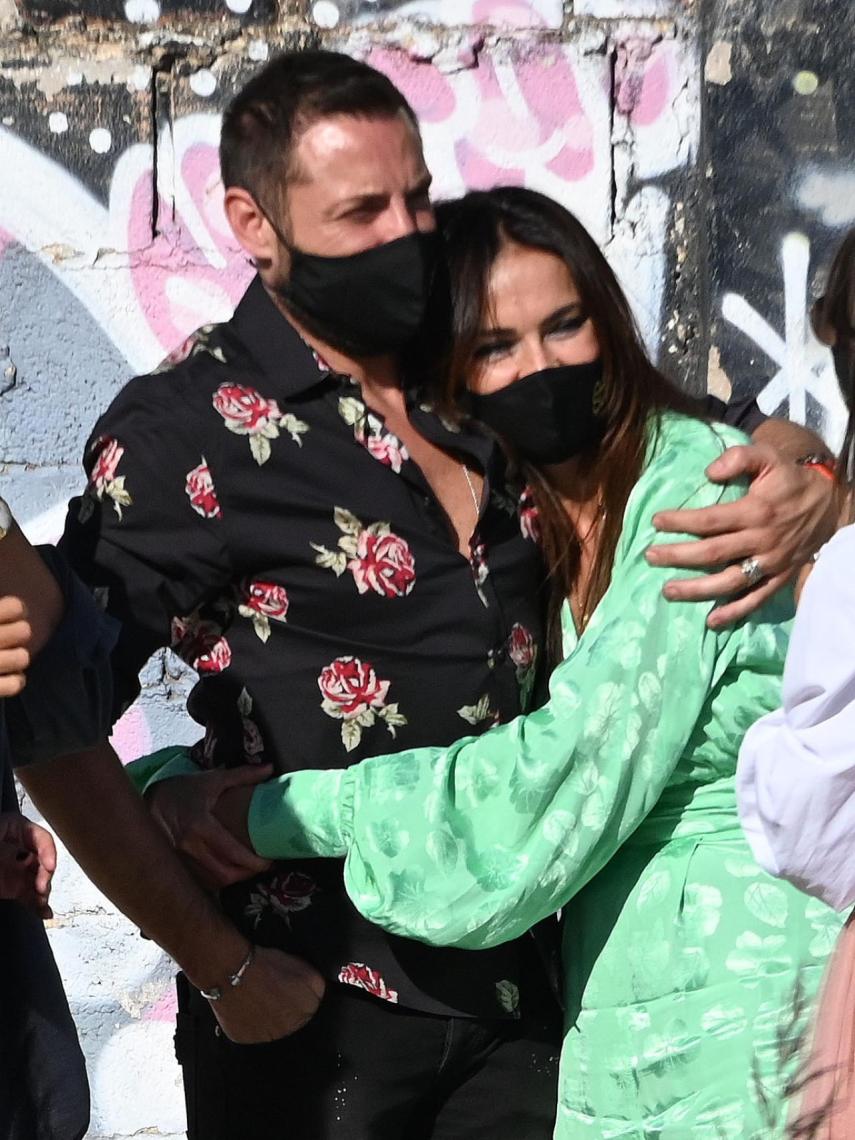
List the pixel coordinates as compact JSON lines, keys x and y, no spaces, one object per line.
{"x":475,"y":229}
{"x":835,"y":312}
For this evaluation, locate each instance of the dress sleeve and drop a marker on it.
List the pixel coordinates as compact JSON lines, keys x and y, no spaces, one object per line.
{"x":473,"y":844}
{"x":147,"y":534}
{"x":796,"y":774}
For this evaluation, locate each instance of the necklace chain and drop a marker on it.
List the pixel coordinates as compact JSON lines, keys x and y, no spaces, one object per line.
{"x":475,"y":502}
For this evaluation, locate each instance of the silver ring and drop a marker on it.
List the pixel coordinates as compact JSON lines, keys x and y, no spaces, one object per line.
{"x":751,"y":570}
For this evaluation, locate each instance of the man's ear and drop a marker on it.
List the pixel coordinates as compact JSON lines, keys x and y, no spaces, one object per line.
{"x":251,"y":227}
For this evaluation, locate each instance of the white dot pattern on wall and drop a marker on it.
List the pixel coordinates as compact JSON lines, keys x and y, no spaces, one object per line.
{"x":100,"y":140}
{"x":325,"y":14}
{"x":239,"y":6}
{"x":203,"y":82}
{"x":58,"y":122}
{"x":142,"y":11}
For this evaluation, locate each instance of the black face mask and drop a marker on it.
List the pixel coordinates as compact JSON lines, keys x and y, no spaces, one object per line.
{"x":367,"y":303}
{"x":549,"y":416}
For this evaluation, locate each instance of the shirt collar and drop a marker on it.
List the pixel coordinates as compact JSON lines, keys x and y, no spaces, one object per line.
{"x":274,"y":343}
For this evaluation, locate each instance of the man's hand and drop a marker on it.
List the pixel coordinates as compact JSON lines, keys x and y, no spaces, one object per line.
{"x":787,"y":514}
{"x":27,"y":863}
{"x":15,"y":636}
{"x":184,"y":806}
{"x":279,"y":994}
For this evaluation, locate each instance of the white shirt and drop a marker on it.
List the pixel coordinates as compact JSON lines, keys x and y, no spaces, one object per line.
{"x":796,"y":775}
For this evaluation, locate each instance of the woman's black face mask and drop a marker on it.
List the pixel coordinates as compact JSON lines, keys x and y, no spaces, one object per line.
{"x":548,"y":416}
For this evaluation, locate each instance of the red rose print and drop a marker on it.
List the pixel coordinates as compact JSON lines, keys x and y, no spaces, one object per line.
{"x":521,"y":647}
{"x":350,"y":688}
{"x":292,"y":892}
{"x":285,"y":894}
{"x":217,"y":658}
{"x":104,"y":481}
{"x":261,"y":602}
{"x":353,"y":694}
{"x":194,"y":638}
{"x":104,"y":470}
{"x":364,"y":978}
{"x":529,"y":518}
{"x":245,"y":411}
{"x":385,"y":447}
{"x":199,"y":487}
{"x":267,"y":598}
{"x":383,"y":563}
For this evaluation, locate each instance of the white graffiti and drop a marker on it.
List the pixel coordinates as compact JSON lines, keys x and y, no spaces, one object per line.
{"x":804,"y":365}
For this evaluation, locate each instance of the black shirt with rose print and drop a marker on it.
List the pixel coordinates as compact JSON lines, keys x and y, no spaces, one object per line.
{"x":245,"y":508}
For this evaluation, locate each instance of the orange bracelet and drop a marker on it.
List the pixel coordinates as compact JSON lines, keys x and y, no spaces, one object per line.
{"x":818,"y":463}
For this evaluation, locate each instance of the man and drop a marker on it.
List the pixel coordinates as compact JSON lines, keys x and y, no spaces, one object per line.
{"x":49,"y":617}
{"x":341,"y":566}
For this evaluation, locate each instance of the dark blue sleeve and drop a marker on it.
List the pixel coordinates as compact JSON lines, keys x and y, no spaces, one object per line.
{"x":743,"y":413}
{"x":67,"y":703}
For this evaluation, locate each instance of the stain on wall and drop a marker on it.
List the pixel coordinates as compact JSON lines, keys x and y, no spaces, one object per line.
{"x":114,"y":246}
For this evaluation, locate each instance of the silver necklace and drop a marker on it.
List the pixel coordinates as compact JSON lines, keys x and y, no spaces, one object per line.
{"x":475,"y":502}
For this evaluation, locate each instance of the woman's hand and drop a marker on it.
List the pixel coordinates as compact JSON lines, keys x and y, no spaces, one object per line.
{"x":185,"y":807}
{"x":785,"y":517}
{"x":15,"y":636}
{"x":27,"y":863}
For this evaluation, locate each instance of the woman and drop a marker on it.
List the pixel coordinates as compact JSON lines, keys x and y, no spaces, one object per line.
{"x":615,"y":800}
{"x":797,"y":765}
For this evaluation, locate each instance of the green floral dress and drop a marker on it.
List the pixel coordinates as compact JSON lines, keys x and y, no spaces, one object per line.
{"x":689,"y":972}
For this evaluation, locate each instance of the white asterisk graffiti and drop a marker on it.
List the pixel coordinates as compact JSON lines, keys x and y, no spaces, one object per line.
{"x":804,"y":365}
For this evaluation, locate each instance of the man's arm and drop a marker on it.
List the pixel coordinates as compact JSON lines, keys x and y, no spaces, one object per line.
{"x":24,"y":576}
{"x":60,"y":721}
{"x":788,"y":513}
{"x":94,"y":809}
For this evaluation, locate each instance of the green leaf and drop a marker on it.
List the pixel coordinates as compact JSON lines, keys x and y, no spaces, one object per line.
{"x":767,"y":902}
{"x":333,"y":560}
{"x":259,"y":445}
{"x":262,"y":626}
{"x":351,"y":410}
{"x":346,"y":521}
{"x":351,"y":734}
{"x":508,"y":995}
{"x":475,"y":714}
{"x":295,"y":428}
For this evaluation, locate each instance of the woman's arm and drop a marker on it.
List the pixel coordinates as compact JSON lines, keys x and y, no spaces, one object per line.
{"x":472,"y":844}
{"x":796,"y":775}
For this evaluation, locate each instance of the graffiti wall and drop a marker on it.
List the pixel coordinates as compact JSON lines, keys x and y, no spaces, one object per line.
{"x":114,"y":246}
{"x":781,"y":132}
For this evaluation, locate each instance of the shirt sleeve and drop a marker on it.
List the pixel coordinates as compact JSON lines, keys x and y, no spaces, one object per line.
{"x":743,"y":413}
{"x":147,"y":535}
{"x":796,"y":774}
{"x":471,"y":845}
{"x":66,"y":705}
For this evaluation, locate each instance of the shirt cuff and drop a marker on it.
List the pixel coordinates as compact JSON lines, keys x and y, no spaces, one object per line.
{"x":67,"y":704}
{"x":303,"y":815}
{"x":161,"y":765}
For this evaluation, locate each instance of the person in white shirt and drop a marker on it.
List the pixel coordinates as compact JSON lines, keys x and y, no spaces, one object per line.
{"x":796,"y":774}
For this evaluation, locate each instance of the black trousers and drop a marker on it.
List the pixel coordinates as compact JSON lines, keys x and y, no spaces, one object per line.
{"x":363,"y":1069}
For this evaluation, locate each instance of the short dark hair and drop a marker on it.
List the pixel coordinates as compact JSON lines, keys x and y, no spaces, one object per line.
{"x":294,"y":90}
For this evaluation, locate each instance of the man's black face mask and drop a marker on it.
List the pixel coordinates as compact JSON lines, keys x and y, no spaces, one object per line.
{"x":364,"y":304}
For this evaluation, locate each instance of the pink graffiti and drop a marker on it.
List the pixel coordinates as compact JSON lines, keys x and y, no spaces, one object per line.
{"x":643,"y":79}
{"x":164,"y":1009}
{"x":132,"y":737}
{"x":525,"y":112}
{"x":185,"y":272}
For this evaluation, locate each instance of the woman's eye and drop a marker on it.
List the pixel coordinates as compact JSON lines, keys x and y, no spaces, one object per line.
{"x":568,"y":326}
{"x":491,"y":351}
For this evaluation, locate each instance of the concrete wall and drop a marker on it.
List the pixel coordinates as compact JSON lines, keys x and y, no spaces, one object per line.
{"x":708,"y":147}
